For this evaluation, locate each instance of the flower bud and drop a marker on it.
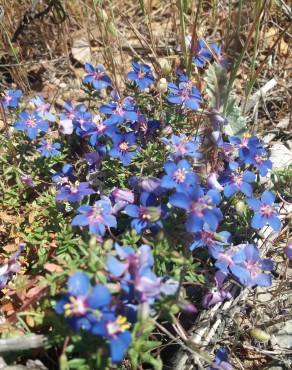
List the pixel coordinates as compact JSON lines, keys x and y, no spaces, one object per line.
{"x":213,"y":182}
{"x":165,"y":66}
{"x":259,"y":335}
{"x":162,"y":85}
{"x":240,"y":207}
{"x":125,"y":195}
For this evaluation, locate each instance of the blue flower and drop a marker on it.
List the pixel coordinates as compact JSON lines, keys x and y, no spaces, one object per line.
{"x":74,"y":193}
{"x":200,"y":207}
{"x":115,"y":330}
{"x":83,"y":123}
{"x":182,"y":146}
{"x":134,"y":270}
{"x":42,"y":108}
{"x":264,"y":211}
{"x":97,"y":217}
{"x":48,"y":149}
{"x":179,"y":176}
{"x":88,"y":308}
{"x":202,"y":54}
{"x":186,"y":95}
{"x":238,"y":181}
{"x":221,"y":361}
{"x":10,"y":98}
{"x":146,"y":215}
{"x":97,"y":77}
{"x":229,"y":259}
{"x":209,"y":238}
{"x":68,"y":118}
{"x":120,"y":111}
{"x":254,"y":267}
{"x":31,"y":123}
{"x":78,"y":305}
{"x":259,"y":158}
{"x":142,"y":75}
{"x":65,"y":175}
{"x":124,"y":147}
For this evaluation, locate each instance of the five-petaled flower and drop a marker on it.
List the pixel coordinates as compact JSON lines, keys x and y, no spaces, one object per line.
{"x":74,"y":193}
{"x":48,"y":149}
{"x":97,"y":77}
{"x":31,"y":123}
{"x":264,"y":211}
{"x":124,"y":147}
{"x":141,"y":74}
{"x":179,"y":176}
{"x":10,"y":98}
{"x":238,"y":181}
{"x":186,"y":95}
{"x":97,"y":217}
{"x":200,"y":207}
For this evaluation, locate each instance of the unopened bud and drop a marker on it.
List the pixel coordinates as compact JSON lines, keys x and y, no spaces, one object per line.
{"x":240,"y":207}
{"x":111,"y":28}
{"x":165,"y":66}
{"x":162,"y":85}
{"x":259,"y":335}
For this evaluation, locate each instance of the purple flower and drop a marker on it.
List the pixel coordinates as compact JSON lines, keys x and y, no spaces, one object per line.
{"x":200,"y":207}
{"x":134,"y":269}
{"x":74,"y":193}
{"x":10,"y":98}
{"x":208,"y":238}
{"x":42,"y":108}
{"x":11,"y":267}
{"x":27,"y":180}
{"x":221,"y":361}
{"x":142,"y":75}
{"x":264,"y":211}
{"x":186,"y":95}
{"x":254,"y":266}
{"x":288,"y":251}
{"x":97,"y":77}
{"x":179,"y":176}
{"x":121,"y":198}
{"x":182,"y":146}
{"x":218,"y":293}
{"x":120,"y":111}
{"x":31,"y":123}
{"x":48,"y":149}
{"x":124,"y":147}
{"x":97,"y":217}
{"x":213,"y":183}
{"x":238,"y":181}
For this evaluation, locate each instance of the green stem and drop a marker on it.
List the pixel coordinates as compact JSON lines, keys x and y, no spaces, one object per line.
{"x":183,"y":29}
{"x":254,"y":55}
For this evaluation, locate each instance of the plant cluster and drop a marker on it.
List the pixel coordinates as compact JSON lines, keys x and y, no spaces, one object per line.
{"x":159,"y":187}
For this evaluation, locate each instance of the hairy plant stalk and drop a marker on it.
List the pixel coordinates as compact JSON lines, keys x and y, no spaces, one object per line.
{"x":183,"y":29}
{"x":254,"y":55}
{"x":241,"y":56}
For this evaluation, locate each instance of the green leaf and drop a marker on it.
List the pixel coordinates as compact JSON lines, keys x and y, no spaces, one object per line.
{"x":216,"y":78}
{"x":236,"y":125}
